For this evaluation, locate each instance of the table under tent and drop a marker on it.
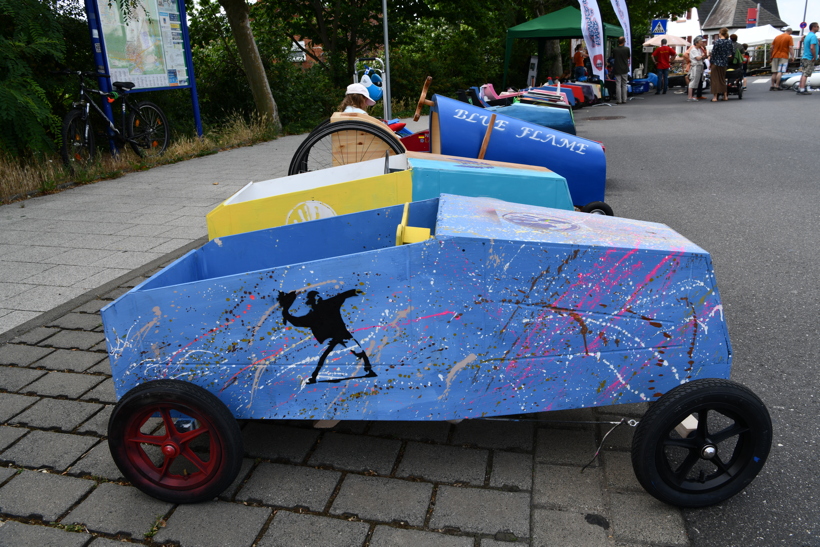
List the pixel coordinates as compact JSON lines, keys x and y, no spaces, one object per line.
{"x":564,"y":23}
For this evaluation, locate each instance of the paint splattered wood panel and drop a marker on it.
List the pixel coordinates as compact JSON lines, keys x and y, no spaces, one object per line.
{"x":508,"y":309}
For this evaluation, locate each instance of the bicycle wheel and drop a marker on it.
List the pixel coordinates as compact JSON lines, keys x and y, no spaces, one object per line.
{"x":148,"y":127}
{"x":342,"y":143}
{"x":78,"y":139}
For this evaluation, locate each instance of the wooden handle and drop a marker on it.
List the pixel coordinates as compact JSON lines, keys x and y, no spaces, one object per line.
{"x":486,"y":140}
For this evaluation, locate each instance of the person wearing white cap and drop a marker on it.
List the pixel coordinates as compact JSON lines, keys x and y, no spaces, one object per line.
{"x":781,"y":55}
{"x":357,"y":99}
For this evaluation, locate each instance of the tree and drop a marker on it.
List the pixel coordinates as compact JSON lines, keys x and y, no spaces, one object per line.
{"x":29,"y":37}
{"x":238,"y":17}
{"x":346,"y":30}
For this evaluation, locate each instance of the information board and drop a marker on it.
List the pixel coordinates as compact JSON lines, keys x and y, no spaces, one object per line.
{"x":148,"y":49}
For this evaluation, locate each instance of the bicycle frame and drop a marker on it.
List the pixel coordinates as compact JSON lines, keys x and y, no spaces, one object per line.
{"x":86,"y":102}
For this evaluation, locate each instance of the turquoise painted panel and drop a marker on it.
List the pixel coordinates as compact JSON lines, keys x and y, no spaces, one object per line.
{"x":477,"y":178}
{"x":548,"y":116}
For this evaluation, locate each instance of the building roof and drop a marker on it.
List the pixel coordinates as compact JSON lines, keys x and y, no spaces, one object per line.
{"x":716,"y":14}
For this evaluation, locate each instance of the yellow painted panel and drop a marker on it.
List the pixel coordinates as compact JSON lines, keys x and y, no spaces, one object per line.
{"x":300,"y":206}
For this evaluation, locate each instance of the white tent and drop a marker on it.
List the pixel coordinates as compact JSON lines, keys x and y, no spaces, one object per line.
{"x":673,"y":41}
{"x":757,"y":36}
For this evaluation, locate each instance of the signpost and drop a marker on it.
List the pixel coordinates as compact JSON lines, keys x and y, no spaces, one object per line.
{"x":751,"y":17}
{"x":152,"y":49}
{"x":658,"y":26}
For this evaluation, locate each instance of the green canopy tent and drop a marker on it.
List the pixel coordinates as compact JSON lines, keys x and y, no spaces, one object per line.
{"x":564,"y":23}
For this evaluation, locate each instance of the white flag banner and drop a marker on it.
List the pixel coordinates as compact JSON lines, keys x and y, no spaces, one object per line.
{"x":593,"y":35}
{"x":623,"y":18}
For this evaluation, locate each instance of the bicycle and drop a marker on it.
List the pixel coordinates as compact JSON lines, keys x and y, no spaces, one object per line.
{"x":146,"y":129}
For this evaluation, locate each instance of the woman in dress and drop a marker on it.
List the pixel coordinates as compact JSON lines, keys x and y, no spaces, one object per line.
{"x":722,"y":50}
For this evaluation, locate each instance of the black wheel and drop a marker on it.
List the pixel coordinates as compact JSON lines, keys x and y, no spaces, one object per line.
{"x":701,"y":443}
{"x":78,"y":139}
{"x":175,"y":441}
{"x":148,"y":126}
{"x":740,"y":92}
{"x":319,"y":126}
{"x":598,"y":208}
{"x":341,"y":143}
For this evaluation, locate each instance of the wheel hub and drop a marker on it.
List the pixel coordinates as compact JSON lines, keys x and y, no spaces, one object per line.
{"x":708,"y":452}
{"x":170,"y":450}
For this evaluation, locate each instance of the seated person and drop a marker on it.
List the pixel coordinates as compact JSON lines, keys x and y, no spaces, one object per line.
{"x":357,"y":99}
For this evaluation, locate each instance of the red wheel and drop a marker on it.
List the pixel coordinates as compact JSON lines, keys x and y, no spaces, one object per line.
{"x":175,"y":441}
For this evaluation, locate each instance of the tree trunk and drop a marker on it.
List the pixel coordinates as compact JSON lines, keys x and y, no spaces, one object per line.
{"x":554,"y":66}
{"x":238,"y":17}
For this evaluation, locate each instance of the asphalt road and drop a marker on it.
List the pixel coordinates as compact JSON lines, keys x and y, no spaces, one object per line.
{"x":740,"y":179}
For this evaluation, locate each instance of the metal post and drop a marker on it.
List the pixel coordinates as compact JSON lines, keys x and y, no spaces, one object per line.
{"x":97,"y":40}
{"x":189,"y":60}
{"x":805,"y":8}
{"x":386,"y":83}
{"x":757,"y":16}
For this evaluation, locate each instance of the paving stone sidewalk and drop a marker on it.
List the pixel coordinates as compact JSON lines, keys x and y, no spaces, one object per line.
{"x":376,"y":484}
{"x":472,"y":484}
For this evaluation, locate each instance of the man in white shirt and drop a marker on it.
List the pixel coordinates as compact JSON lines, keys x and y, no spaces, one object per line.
{"x":696,"y":58}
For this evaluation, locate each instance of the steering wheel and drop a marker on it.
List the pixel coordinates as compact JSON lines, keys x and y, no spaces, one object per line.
{"x":423,"y":99}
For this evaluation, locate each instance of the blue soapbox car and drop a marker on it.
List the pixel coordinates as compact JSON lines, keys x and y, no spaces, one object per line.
{"x":448,"y":308}
{"x":463,"y":130}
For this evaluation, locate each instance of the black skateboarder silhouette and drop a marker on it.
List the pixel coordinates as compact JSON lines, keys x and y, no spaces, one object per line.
{"x":325,"y":322}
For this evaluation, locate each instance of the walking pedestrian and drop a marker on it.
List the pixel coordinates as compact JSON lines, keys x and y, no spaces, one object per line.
{"x":722,"y":50}
{"x":811,"y":55}
{"x":620,"y":70}
{"x":781,"y":55}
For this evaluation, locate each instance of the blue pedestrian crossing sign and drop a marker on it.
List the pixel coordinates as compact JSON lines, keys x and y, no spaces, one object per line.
{"x":658,"y":26}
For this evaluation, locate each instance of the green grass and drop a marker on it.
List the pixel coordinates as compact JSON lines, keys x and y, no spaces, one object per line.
{"x":21,"y":179}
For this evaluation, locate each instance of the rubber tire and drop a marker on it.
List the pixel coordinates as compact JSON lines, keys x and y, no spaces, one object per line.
{"x":740,"y":92}
{"x":69,"y":134}
{"x":598,"y":208}
{"x":649,"y":459}
{"x":313,"y":131}
{"x":159,"y":132}
{"x":140,"y":404}
{"x":319,"y":126}
{"x":302,"y":158}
